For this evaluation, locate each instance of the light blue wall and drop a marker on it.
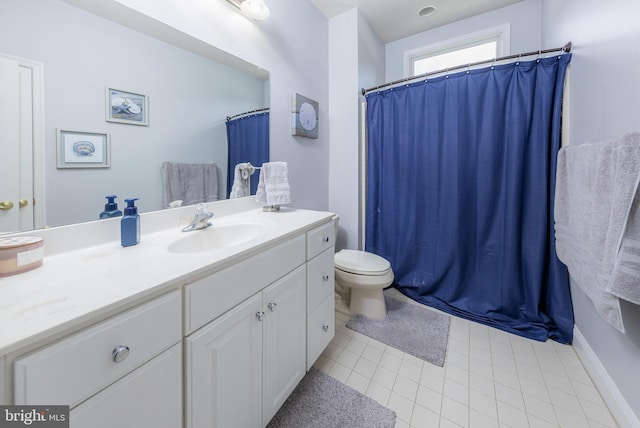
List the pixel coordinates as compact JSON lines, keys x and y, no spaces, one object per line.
{"x":189,"y":98}
{"x":604,"y":103}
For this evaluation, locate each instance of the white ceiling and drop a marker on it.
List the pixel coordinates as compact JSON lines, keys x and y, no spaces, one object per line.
{"x":396,"y":19}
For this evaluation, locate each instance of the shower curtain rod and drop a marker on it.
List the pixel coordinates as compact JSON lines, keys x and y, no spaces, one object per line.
{"x":247,"y":112}
{"x":566,"y":48}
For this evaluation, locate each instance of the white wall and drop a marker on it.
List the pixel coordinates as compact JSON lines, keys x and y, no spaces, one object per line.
{"x":524,"y":18}
{"x":604,"y":104}
{"x":293,"y":46}
{"x":343,"y":104}
{"x":189,"y":98}
{"x":356,"y":59}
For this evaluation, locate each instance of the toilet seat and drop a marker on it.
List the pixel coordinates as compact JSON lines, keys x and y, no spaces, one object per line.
{"x":361,"y":263}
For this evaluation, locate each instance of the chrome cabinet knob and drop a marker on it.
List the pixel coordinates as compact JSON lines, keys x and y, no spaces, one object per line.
{"x":120,"y":353}
{"x":325,"y":239}
{"x":325,"y":328}
{"x":325,"y":278}
{"x":272,"y":306}
{"x":260,"y":315}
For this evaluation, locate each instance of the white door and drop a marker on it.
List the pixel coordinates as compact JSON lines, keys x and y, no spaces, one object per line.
{"x":285,"y":332}
{"x":21,"y":145}
{"x":224,"y":370}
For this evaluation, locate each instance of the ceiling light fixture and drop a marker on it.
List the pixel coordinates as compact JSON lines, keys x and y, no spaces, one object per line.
{"x":427,"y":11}
{"x":252,"y":9}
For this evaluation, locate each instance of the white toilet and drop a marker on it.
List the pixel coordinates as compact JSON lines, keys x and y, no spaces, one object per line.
{"x":365,"y":275}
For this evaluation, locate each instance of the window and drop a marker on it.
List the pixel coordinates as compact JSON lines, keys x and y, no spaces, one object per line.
{"x":471,"y":48}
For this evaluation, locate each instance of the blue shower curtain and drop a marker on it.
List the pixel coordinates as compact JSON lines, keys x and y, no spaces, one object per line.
{"x":248,"y":141}
{"x":461,"y":178}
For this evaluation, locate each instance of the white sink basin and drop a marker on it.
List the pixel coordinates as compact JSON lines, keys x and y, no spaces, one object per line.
{"x":216,"y":237}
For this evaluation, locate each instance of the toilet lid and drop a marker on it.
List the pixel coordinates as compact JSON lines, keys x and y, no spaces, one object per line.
{"x":361,"y":262}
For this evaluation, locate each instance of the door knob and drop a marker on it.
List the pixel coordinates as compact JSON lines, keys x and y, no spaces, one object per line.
{"x":23,"y":203}
{"x":6,"y":205}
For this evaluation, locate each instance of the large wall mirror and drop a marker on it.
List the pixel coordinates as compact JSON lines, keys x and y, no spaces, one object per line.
{"x":189,"y":95}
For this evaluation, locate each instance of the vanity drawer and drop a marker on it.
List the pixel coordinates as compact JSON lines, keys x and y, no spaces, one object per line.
{"x":210,"y":297}
{"x":150,"y":396}
{"x":73,"y":369}
{"x":320,"y":279}
{"x":321,"y":327}
{"x":320,"y":238}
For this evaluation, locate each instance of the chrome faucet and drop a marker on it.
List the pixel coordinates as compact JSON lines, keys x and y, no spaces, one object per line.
{"x":200,"y":220}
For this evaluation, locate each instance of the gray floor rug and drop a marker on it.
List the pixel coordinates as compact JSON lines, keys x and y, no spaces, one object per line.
{"x":320,"y":401}
{"x":410,"y":328}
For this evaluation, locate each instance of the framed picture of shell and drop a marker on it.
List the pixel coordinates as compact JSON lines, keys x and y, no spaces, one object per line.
{"x":126,"y":107}
{"x":82,"y":149}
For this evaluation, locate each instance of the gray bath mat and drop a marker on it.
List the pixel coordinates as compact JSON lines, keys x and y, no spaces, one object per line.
{"x":410,"y":328}
{"x":320,"y":401}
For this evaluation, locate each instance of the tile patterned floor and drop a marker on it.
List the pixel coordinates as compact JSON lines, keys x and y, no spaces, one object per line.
{"x":490,"y":379}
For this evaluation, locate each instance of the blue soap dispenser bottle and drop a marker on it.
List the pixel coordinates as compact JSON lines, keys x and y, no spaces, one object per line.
{"x":111,"y":208}
{"x":130,"y":224}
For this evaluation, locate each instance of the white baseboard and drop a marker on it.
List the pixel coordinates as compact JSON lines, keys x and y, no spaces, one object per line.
{"x":618,"y":406}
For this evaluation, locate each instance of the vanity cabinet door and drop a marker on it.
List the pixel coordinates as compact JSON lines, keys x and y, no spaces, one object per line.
{"x":284,"y":339}
{"x":224,"y":369}
{"x":150,"y":396}
{"x":320,"y":304}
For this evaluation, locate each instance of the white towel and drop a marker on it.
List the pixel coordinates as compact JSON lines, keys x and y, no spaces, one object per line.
{"x":273,"y":187}
{"x":193,"y":183}
{"x":597,"y":223}
{"x":241,"y":174}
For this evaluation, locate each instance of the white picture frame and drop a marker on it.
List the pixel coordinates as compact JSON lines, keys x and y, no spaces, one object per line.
{"x":126,"y":107}
{"x":82,"y":149}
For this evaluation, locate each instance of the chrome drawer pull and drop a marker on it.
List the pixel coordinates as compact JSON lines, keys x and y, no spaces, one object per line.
{"x":325,"y":277}
{"x":325,"y":239}
{"x":272,"y":306}
{"x":260,"y":315}
{"x":120,"y":353}
{"x":325,"y":328}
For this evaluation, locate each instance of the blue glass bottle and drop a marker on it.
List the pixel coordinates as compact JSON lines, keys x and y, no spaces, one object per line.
{"x":130,"y":224}
{"x":111,"y":208}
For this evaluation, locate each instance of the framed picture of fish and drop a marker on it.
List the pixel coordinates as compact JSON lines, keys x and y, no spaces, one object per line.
{"x":82,"y":149}
{"x":126,"y":107}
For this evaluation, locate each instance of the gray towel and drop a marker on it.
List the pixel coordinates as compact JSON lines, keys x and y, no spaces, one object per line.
{"x":192,"y":183}
{"x":241,"y":183}
{"x":597,"y":226}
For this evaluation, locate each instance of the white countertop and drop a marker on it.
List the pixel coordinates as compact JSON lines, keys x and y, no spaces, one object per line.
{"x":78,"y":287}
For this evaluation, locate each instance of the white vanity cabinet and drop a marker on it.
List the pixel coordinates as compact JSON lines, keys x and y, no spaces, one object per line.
{"x":242,"y":366}
{"x":320,"y":290}
{"x":131,"y":362}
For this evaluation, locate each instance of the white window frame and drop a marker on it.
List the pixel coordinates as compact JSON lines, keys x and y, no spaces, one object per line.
{"x":500,"y":34}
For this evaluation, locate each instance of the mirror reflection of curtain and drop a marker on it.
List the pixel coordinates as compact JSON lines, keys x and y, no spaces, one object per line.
{"x":248,"y":141}
{"x":461,"y":178}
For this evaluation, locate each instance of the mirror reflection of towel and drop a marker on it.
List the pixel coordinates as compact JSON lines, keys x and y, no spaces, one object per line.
{"x":273,"y":187}
{"x":241,"y":174}
{"x":192,"y":183}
